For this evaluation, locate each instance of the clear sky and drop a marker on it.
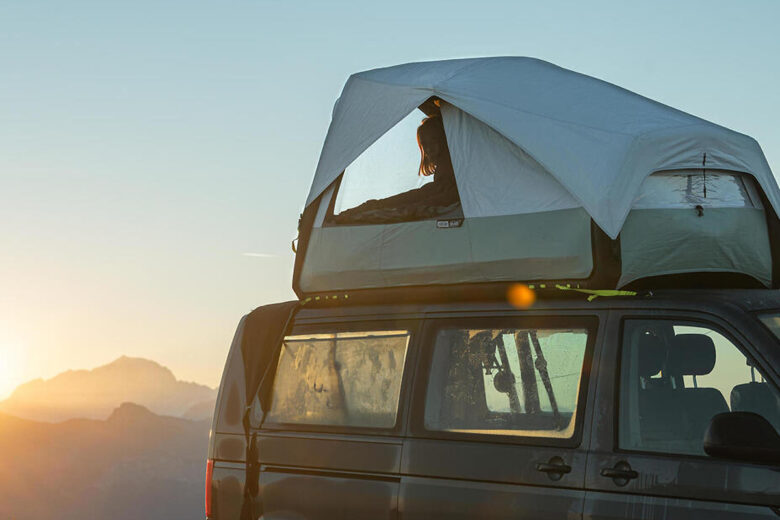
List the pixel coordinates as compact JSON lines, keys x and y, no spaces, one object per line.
{"x":147,"y":146}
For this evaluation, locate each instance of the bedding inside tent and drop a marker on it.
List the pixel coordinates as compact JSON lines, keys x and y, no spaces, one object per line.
{"x":551,"y":187}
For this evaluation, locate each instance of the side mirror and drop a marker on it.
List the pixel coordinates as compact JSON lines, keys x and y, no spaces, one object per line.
{"x":742,"y":436}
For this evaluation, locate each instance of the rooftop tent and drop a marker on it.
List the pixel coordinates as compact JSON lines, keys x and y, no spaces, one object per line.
{"x":548,"y":163}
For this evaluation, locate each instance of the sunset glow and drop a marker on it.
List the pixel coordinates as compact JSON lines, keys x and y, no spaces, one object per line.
{"x":10,"y":365}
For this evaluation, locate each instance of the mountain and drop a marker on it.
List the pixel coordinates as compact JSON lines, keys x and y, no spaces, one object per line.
{"x":200,"y":411}
{"x":135,"y":464}
{"x":95,"y":393}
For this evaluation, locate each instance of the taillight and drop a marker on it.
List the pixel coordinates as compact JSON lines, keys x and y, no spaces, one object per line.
{"x":209,"y":474}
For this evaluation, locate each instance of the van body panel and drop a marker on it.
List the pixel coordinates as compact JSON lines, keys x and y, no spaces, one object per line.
{"x":490,"y":462}
{"x":314,"y":496}
{"x":317,"y":477}
{"x":316,"y":473}
{"x":231,"y":401}
{"x":349,"y":453}
{"x":440,"y":499}
{"x":229,"y":447}
{"x":489,"y":476}
{"x":671,"y":485}
{"x":616,"y":506}
{"x":227,"y":490}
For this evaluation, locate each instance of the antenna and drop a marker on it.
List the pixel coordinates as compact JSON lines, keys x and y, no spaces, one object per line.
{"x":704,"y":172}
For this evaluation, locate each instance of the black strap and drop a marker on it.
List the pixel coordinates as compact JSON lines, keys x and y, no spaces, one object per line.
{"x":249,"y":510}
{"x":541,"y":366}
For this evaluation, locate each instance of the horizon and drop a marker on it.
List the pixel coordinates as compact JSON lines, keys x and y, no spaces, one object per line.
{"x":7,"y":393}
{"x":156,"y":157}
{"x":101,"y":365}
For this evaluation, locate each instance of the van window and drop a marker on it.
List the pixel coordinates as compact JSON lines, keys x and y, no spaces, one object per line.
{"x":340,"y":379}
{"x":675,"y":377}
{"x":506,"y":381}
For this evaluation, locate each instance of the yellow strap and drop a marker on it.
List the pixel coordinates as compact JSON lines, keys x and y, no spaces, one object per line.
{"x":595,"y":293}
{"x":315,"y":298}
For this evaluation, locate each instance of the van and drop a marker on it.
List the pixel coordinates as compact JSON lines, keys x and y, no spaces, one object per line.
{"x":663,"y":405}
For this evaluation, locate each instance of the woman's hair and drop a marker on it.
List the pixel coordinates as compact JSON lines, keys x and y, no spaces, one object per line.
{"x":431,"y":132}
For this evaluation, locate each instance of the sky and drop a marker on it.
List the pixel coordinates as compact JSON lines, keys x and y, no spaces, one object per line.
{"x":155,"y":156}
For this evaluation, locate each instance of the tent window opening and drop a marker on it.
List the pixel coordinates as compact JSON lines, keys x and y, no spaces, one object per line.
{"x":691,"y":188}
{"x":406,"y":175}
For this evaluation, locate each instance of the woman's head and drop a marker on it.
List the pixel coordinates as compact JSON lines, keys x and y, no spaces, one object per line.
{"x":433,"y":144}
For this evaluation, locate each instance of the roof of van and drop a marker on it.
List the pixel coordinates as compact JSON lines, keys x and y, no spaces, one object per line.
{"x":749,"y":300}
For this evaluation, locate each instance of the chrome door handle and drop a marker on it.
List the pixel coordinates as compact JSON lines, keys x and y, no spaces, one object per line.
{"x":621,"y":473}
{"x":555,"y":468}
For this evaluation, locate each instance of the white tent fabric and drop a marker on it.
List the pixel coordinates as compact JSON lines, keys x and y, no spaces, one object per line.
{"x":597,"y":140}
{"x":505,"y":181}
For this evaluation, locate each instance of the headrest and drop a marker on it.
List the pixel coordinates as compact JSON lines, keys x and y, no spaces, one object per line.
{"x":691,"y":355}
{"x":753,"y":397}
{"x":652,"y":353}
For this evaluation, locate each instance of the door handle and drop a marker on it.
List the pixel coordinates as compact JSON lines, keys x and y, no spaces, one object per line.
{"x":555,"y":468}
{"x":621,"y":473}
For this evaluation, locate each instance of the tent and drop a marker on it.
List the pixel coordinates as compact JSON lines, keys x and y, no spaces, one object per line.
{"x":561,"y":176}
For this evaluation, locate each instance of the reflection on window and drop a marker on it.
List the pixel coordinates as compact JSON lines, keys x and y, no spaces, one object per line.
{"x":772,"y":321}
{"x":522,"y":382}
{"x":388,"y":167}
{"x":690,"y":188}
{"x":675,"y":377}
{"x":340,"y":379}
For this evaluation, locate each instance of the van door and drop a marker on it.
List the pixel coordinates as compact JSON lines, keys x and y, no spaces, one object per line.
{"x":497,"y":428}
{"x":663,"y":379}
{"x":330,"y":445}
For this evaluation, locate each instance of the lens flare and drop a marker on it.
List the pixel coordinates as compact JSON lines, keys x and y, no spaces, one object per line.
{"x":520,"y":295}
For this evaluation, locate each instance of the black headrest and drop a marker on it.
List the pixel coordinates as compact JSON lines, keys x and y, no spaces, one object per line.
{"x":753,"y":397}
{"x":652,"y":354}
{"x":691,"y":355}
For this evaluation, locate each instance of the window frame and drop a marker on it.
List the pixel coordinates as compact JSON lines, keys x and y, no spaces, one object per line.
{"x":410,"y":325}
{"x":684,"y":319}
{"x":759,"y":314}
{"x":592,"y":322}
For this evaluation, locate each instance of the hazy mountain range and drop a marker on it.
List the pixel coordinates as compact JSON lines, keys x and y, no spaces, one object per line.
{"x":95,"y":393}
{"x":99,"y":444}
{"x":135,"y":464}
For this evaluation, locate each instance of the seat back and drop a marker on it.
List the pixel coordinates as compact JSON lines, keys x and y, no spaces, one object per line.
{"x":694,"y":355}
{"x":757,"y":398}
{"x":658,"y":410}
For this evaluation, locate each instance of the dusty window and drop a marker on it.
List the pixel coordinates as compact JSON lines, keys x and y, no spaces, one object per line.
{"x":515,"y":381}
{"x":340,"y":379}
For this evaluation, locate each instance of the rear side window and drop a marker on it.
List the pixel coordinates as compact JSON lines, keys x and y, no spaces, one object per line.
{"x":340,"y":379}
{"x":514,"y":381}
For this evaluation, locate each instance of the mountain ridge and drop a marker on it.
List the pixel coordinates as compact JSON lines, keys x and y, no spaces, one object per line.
{"x":134,"y":463}
{"x":96,"y":393}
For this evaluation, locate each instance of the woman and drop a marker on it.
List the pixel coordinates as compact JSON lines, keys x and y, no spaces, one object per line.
{"x":428,"y":201}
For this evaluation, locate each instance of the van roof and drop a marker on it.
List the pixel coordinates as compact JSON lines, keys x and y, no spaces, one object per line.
{"x":713,"y":300}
